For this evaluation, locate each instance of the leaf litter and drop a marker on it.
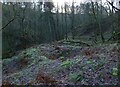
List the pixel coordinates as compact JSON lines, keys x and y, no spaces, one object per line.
{"x":63,"y":64}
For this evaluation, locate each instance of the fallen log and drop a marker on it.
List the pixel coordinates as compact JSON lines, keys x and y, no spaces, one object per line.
{"x":80,"y":42}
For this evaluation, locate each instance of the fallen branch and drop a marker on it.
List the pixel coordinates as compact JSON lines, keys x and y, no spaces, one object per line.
{"x":80,"y":42}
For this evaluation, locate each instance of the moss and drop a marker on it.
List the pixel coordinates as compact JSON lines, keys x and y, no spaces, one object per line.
{"x":75,"y":77}
{"x":115,"y":71}
{"x":66,"y":64}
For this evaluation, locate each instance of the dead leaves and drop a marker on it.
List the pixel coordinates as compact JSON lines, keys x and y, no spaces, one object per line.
{"x":23,"y":62}
{"x":58,"y":52}
{"x":52,"y":57}
{"x":89,"y":52}
{"x":45,"y":79}
{"x":7,"y":84}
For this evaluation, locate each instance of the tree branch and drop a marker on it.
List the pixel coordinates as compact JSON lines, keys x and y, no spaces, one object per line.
{"x":7,"y":23}
{"x":113,"y":6}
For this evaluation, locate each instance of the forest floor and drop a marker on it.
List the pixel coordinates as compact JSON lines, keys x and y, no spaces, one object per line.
{"x":63,"y":63}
